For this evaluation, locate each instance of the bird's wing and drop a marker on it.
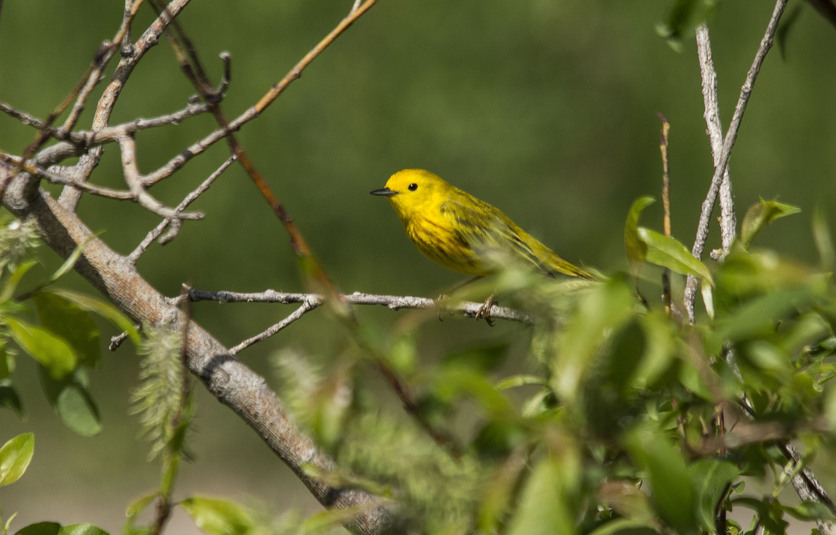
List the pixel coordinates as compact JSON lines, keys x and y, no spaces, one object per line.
{"x":489,"y":232}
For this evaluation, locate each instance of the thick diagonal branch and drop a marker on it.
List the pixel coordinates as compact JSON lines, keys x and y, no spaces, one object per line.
{"x":230,"y":381}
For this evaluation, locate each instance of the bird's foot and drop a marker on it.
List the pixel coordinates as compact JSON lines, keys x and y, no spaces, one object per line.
{"x":484,"y":311}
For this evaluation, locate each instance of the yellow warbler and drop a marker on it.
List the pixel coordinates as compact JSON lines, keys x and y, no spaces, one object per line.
{"x":462,"y":233}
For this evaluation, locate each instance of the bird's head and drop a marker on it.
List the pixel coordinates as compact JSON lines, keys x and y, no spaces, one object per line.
{"x":414,"y":190}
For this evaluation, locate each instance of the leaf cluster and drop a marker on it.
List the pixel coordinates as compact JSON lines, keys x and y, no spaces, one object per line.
{"x":633,"y":420}
{"x":55,"y":327}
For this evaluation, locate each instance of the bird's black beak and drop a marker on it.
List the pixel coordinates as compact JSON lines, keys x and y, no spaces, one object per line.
{"x":384,"y":192}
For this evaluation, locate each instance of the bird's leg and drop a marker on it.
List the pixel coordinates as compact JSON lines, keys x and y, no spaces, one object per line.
{"x":439,"y":301}
{"x":439,"y":305}
{"x":484,"y":311}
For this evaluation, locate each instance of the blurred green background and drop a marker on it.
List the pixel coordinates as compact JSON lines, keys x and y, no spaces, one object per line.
{"x":545,"y":108}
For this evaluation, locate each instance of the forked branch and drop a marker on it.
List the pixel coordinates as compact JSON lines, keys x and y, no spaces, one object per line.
{"x":722,"y":161}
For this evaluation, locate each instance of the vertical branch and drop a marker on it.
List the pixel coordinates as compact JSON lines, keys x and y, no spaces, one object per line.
{"x":103,"y":56}
{"x":728,"y":219}
{"x":805,"y":483}
{"x":722,"y":161}
{"x":666,"y":206}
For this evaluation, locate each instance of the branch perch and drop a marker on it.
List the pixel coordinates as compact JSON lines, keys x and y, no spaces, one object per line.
{"x":467,"y":309}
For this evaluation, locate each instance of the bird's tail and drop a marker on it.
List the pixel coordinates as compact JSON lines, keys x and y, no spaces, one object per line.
{"x":559,"y":265}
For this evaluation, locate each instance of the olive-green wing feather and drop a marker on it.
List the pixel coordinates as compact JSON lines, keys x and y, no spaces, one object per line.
{"x":485,"y":229}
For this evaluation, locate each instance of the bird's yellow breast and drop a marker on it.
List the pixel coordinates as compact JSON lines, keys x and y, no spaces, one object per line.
{"x":433,"y":235}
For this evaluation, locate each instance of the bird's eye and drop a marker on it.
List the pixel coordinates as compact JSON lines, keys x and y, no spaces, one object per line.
{"x":412,"y":187}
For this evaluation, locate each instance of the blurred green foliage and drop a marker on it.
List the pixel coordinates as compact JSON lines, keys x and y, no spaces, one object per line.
{"x":544,"y":108}
{"x":631,"y":421}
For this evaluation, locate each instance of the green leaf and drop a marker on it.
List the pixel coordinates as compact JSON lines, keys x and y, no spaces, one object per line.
{"x":829,"y":402}
{"x":608,"y":400}
{"x":67,"y":320}
{"x":544,"y":508}
{"x":683,"y":19}
{"x":626,"y":526}
{"x":135,"y":508}
{"x":15,"y":456}
{"x":602,"y":311}
{"x":761,"y":215}
{"x":668,"y":252}
{"x":788,"y":22}
{"x":707,"y":293}
{"x":71,"y":260}
{"x":497,"y":438}
{"x":51,"y":351}
{"x":811,"y":511}
{"x":756,"y":316}
{"x":402,"y":356}
{"x":520,"y":380}
{"x":769,"y":512}
{"x":11,"y":285}
{"x":101,"y":308}
{"x":78,"y":411}
{"x":768,"y":357}
{"x":329,"y":521}
{"x":636,"y":248}
{"x":218,"y":517}
{"x":81,"y":529}
{"x":823,"y":239}
{"x":498,"y":494}
{"x":54,"y":528}
{"x":744,"y":274}
{"x":6,"y":361}
{"x":672,"y":489}
{"x":711,"y":478}
{"x":10,"y":400}
{"x":660,"y":349}
{"x":452,"y":383}
{"x":41,"y":528}
{"x":73,"y":404}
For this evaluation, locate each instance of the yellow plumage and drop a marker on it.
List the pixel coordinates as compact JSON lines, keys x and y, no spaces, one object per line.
{"x":462,"y":233}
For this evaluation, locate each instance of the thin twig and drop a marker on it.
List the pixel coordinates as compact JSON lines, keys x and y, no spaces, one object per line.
{"x":53,"y":177}
{"x":307,"y":306}
{"x":127,"y":146}
{"x":21,"y":116}
{"x":666,"y":206}
{"x":173,"y":222}
{"x":251,"y":113}
{"x":102,"y":58}
{"x":690,"y":296}
{"x":89,"y":138}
